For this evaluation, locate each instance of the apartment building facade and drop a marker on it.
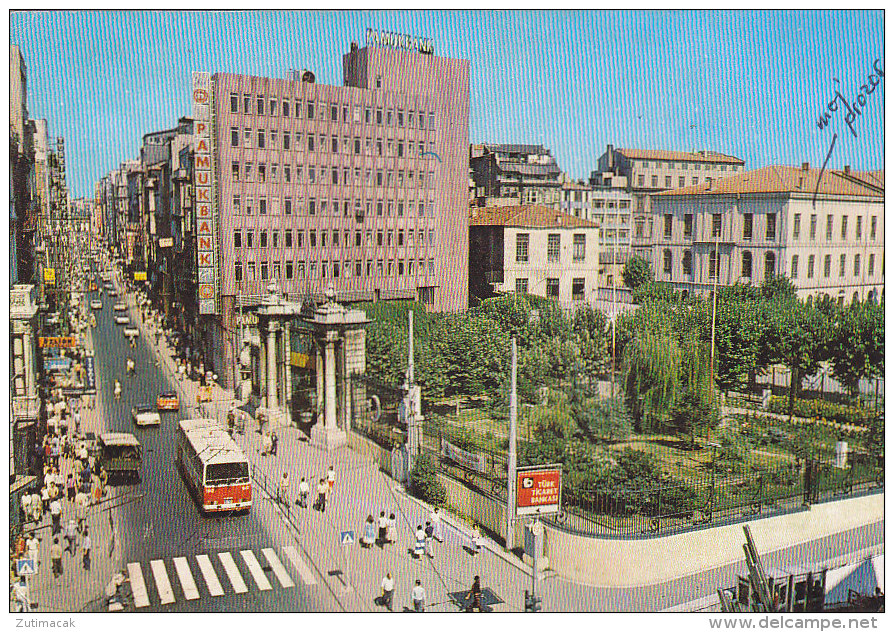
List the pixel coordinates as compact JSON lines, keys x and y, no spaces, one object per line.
{"x":517,"y":174}
{"x":826,"y":234}
{"x":533,"y":250}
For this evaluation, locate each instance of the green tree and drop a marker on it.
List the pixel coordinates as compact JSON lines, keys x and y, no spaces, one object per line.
{"x":695,"y":408}
{"x":778,"y":286}
{"x":606,"y":420}
{"x":738,"y":335}
{"x":424,"y":481}
{"x":637,"y":272}
{"x":857,"y":345}
{"x":652,"y":378}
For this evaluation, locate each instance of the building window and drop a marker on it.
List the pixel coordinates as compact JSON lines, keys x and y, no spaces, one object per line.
{"x":870,"y":265}
{"x":234,"y":102}
{"x":829,"y":228}
{"x":552,"y":288}
{"x":641,"y":180}
{"x":553,"y":246}
{"x":811,"y":260}
{"x":712,"y":264}
{"x":288,"y":239}
{"x":521,"y":286}
{"x":844,"y":228}
{"x":859,"y":227}
{"x":716,"y":224}
{"x":771,"y":226}
{"x":261,"y":139}
{"x":654,"y":182}
{"x":682,"y":181}
{"x":667,"y":182}
{"x":288,"y":205}
{"x":521,"y":247}
{"x":668,"y":261}
{"x":687,"y":263}
{"x":249,"y":239}
{"x":746,"y":264}
{"x":262,"y":206}
{"x":796,"y":226}
{"x":276,"y":267}
{"x":813,"y":227}
{"x":580,"y":248}
{"x":237,"y":239}
{"x":246,"y":103}
{"x":285,"y":112}
{"x":827,"y":266}
{"x":234,"y":136}
{"x":857,"y":265}
{"x":794,"y":266}
{"x":238,"y":270}
{"x":747,"y":226}
{"x":289,"y":267}
{"x":577,"y":289}
{"x":873,"y":224}
{"x":668,"y":225}
{"x":694,"y":181}
{"x":841,"y":265}
{"x":236,"y":204}
{"x":276,"y":239}
{"x":687,"y":225}
{"x":263,"y":239}
{"x":264,"y":269}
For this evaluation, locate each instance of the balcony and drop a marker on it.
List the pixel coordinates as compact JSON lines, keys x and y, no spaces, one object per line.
{"x":25,"y":407}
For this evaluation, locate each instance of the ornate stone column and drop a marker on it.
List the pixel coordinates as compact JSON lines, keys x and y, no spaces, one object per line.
{"x":272,"y":403}
{"x":331,"y":407}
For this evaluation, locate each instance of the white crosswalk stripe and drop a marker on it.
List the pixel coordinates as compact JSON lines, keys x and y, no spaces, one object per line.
{"x":278,"y":569}
{"x":232,"y":572}
{"x":137,"y":586}
{"x":210,"y":576}
{"x":292,"y":553}
{"x":186,"y":580}
{"x":255,"y":569}
{"x":248,"y":560}
{"x":161,"y":581}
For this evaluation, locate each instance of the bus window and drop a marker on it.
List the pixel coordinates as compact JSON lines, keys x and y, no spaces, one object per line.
{"x":217,"y":473}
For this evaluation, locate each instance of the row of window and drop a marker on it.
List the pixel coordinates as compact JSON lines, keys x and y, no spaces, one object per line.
{"x":261,"y":105}
{"x":685,"y":165}
{"x":553,"y":247}
{"x":298,"y":141}
{"x":333,"y":269}
{"x":552,"y":287}
{"x":770,"y":264}
{"x":312,"y":206}
{"x":332,"y":175}
{"x":382,"y":238}
{"x":668,"y":181}
{"x":830,"y":225}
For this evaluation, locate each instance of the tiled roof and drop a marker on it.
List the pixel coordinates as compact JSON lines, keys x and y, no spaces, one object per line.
{"x":526,"y":217}
{"x":786,"y":179}
{"x":692,"y":156}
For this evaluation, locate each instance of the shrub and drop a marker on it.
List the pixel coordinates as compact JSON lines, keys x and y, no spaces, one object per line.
{"x":818,"y":408}
{"x":424,"y":481}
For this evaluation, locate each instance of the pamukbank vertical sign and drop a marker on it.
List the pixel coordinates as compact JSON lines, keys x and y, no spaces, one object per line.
{"x":206,"y":211}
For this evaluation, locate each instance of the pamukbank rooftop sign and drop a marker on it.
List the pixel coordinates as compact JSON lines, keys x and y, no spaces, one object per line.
{"x":399,"y":40}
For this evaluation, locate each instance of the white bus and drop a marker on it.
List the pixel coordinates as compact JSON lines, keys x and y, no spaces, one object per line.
{"x":213,"y":466}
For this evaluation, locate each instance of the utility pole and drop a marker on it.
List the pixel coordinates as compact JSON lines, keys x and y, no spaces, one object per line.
{"x":513,"y":455}
{"x":714,"y":309}
{"x":411,"y":404}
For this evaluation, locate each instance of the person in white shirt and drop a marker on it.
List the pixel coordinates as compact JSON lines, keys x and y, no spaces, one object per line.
{"x":303,"y":491}
{"x":387,"y":590}
{"x":418,"y":597}
{"x":435,"y":517}
{"x":22,"y":595}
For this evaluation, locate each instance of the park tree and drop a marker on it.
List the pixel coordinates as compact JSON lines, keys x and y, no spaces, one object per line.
{"x":737,"y":339}
{"x":652,"y":378}
{"x":695,"y":408}
{"x":856,"y":348}
{"x":778,"y":286}
{"x":637,"y":272}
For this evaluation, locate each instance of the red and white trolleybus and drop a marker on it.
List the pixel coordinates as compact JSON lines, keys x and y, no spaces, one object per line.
{"x":213,"y":465}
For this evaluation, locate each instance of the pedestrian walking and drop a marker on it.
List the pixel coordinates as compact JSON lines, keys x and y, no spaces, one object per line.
{"x":387,"y":591}
{"x":82,"y":502}
{"x":418,"y":597}
{"x":419,"y":547}
{"x":56,"y":515}
{"x":32,"y":549}
{"x":27,"y":514}
{"x":383,"y":529}
{"x":266,"y":445}
{"x":476,"y":540}
{"x":369,"y":532}
{"x":322,"y":489}
{"x":390,"y":529}
{"x":474,"y":596}
{"x":436,"y":517}
{"x":429,"y":535}
{"x":330,"y":477}
{"x":22,"y":595}
{"x":56,"y":558}
{"x":274,"y":442}
{"x":36,"y":507}
{"x":303,"y":491}
{"x":70,"y":488}
{"x":70,"y":533}
{"x":284,"y":488}
{"x":87,"y":545}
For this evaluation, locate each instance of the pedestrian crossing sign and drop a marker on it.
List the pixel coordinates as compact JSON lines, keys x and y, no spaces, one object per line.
{"x":26,"y":567}
{"x":347,"y":537}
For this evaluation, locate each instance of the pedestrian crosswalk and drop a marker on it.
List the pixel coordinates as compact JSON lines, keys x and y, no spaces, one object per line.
{"x":220,"y":573}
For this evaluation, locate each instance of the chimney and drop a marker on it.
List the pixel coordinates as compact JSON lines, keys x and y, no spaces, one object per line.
{"x":847,"y":170}
{"x":805,"y":166}
{"x":610,"y":150}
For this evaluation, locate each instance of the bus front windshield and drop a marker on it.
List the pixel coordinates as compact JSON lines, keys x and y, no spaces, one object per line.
{"x":226,"y":473}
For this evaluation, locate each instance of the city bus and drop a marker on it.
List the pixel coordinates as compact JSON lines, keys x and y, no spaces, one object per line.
{"x":213,"y":465}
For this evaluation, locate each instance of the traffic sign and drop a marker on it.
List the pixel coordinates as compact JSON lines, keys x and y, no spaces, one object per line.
{"x":26,"y":567}
{"x":347,"y":537}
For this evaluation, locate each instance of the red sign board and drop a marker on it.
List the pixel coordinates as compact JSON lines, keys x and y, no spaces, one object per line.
{"x":66,"y":342}
{"x":538,"y":491}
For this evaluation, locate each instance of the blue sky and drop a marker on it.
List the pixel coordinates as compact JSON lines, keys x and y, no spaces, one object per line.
{"x":750,"y":84}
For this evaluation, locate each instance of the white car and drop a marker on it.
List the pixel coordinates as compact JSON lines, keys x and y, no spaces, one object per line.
{"x":120,"y":307}
{"x":145,"y":415}
{"x":96,"y":304}
{"x":131,"y":332}
{"x":122,"y":320}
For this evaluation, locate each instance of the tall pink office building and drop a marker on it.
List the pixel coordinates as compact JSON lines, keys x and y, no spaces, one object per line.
{"x":361,"y":186}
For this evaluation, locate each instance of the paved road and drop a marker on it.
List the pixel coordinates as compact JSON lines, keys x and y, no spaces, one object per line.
{"x":218,"y":554}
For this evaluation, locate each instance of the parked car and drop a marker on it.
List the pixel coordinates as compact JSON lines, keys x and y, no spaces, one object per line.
{"x":122,"y":320}
{"x":95,"y":304}
{"x":120,"y":306}
{"x":167,"y":401}
{"x":144,"y":415}
{"x":131,"y":332}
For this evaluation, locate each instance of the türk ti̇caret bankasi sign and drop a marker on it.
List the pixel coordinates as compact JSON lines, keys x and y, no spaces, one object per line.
{"x":538,"y":490}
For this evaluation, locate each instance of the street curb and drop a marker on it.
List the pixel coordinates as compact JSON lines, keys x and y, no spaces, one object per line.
{"x":460,"y":526}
